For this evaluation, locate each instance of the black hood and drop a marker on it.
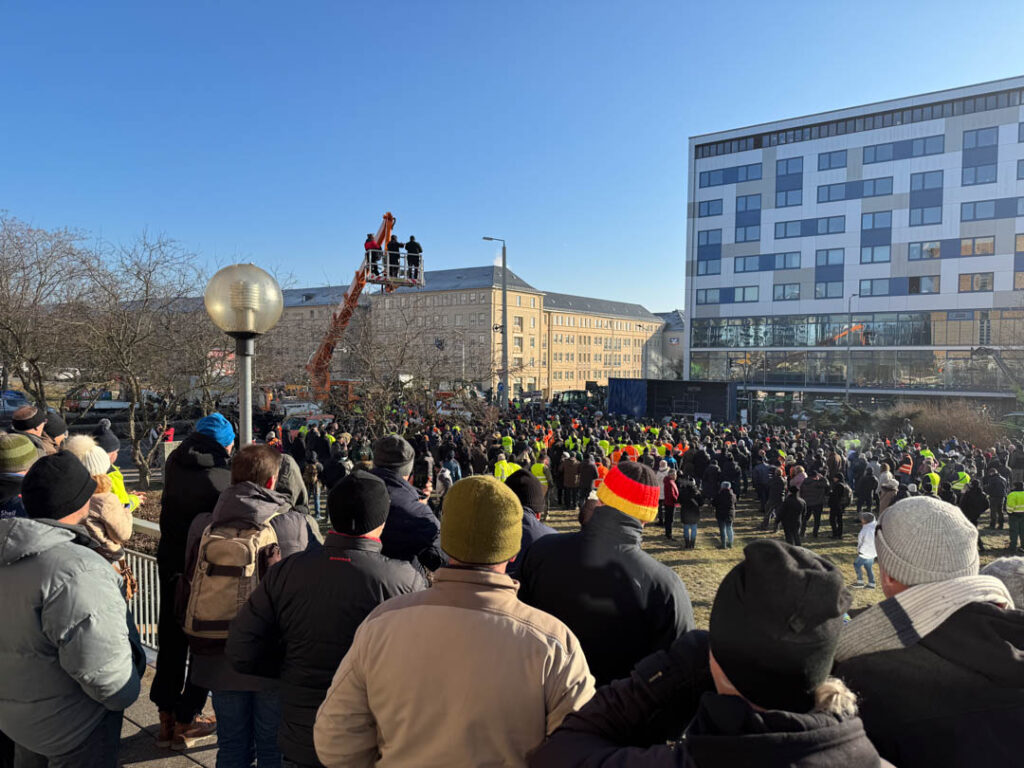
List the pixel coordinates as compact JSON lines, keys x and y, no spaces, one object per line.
{"x":728,"y":731}
{"x":199,"y":451}
{"x":994,"y":637}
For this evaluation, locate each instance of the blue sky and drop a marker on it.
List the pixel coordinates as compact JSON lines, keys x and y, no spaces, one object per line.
{"x":280,"y":132}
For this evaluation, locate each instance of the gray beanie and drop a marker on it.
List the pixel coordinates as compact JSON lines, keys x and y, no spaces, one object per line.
{"x":921,"y":540}
{"x":393,"y":452}
{"x":1010,"y":571}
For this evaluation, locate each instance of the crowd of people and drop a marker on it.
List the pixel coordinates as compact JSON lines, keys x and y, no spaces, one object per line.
{"x":440,"y":621}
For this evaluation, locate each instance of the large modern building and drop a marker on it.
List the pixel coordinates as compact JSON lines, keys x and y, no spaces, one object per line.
{"x":868,"y":250}
{"x":452,"y":328}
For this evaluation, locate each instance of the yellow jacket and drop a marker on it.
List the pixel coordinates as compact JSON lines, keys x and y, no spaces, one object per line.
{"x":117,"y":488}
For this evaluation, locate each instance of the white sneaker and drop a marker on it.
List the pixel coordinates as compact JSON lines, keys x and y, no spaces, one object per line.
{"x":859,"y":584}
{"x":869,"y":586}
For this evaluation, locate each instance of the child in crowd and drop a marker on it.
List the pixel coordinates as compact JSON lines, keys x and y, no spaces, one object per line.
{"x":866,"y":550}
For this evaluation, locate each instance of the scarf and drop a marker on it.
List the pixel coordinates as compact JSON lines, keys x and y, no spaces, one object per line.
{"x":903,"y":620}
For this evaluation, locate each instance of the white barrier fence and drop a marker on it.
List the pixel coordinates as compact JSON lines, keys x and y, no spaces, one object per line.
{"x":145,"y":603}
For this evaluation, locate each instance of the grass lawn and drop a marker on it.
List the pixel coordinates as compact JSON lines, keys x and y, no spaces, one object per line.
{"x":703,"y":568}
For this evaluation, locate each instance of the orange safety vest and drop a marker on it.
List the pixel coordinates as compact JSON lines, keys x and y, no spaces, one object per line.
{"x":616,"y":456}
{"x":602,"y":470}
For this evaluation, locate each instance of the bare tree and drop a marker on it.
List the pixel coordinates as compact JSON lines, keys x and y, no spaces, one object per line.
{"x":41,"y":283}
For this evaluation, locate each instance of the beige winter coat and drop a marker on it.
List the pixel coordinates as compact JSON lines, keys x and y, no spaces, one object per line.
{"x":462,"y":674}
{"x":110,"y":523}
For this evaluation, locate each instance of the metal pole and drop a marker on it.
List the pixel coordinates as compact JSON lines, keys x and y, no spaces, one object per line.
{"x":504,"y":329}
{"x":243,"y":364}
{"x":849,"y":343}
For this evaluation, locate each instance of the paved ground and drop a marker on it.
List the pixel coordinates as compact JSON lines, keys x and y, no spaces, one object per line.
{"x":141,"y":725}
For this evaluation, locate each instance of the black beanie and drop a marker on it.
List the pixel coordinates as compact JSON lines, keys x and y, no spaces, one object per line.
{"x":55,"y":426}
{"x":530,"y":491}
{"x":56,"y":486}
{"x":775,"y":624}
{"x":358,"y":504}
{"x":104,"y":438}
{"x":28,"y":417}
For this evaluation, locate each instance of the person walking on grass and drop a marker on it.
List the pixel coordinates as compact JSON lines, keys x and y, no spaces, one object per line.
{"x":690,"y":500}
{"x":724,"y":503}
{"x":865,"y":551}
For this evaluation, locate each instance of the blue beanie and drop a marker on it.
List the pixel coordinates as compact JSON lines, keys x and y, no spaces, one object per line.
{"x":217,"y":427}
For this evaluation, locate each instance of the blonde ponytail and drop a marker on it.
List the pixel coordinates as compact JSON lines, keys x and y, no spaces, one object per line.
{"x":834,"y":698}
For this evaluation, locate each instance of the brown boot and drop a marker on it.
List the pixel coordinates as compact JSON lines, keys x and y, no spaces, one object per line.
{"x":166,"y":735}
{"x":202,"y":730}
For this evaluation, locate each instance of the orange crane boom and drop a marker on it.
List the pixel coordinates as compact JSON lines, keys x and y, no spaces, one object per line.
{"x":319,"y":365}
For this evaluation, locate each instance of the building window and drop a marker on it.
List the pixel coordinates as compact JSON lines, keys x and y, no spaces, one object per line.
{"x":979,"y":211}
{"x":981,"y":137}
{"x":745,"y":294}
{"x":929,"y":249}
{"x":789,"y":260}
{"x":924,"y":284}
{"x":789,"y":198}
{"x":926,"y":180}
{"x":978,"y":174}
{"x":877,"y":254}
{"x":533,"y":322}
{"x":709,"y":237}
{"x":877,"y":187}
{"x":803,"y":228}
{"x":975,"y":282}
{"x":533,"y":303}
{"x":707,"y":295}
{"x":878,"y":287}
{"x":828,"y":257}
{"x":730,"y":175}
{"x":829,"y":290}
{"x":709,"y":207}
{"x":746,"y":264}
{"x":879,"y":220}
{"x":920,"y":217}
{"x":881,"y":153}
{"x":978,"y":246}
{"x":786,"y":292}
{"x":789,"y":166}
{"x":709,"y":267}
{"x":1020,"y":132}
{"x":830,"y":160}
{"x":519,"y":301}
{"x":831,"y":225}
{"x":748,"y":203}
{"x":748,"y":234}
{"x":1020,"y":169}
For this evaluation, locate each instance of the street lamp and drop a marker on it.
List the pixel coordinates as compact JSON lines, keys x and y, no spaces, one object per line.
{"x":849,"y":342}
{"x":244,"y":301}
{"x":504,"y":324}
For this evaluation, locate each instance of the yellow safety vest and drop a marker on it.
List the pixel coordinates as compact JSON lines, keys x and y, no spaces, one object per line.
{"x":1015,"y":503}
{"x":962,"y":479}
{"x":117,"y":488}
{"x":503,"y":470}
{"x":538,"y":472}
{"x":934,"y":480}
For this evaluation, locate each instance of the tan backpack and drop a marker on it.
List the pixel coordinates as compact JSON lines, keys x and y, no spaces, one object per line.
{"x":231,"y":561}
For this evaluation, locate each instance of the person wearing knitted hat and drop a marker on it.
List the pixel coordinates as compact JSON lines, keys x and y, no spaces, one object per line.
{"x":533,"y":496}
{"x":938,"y":664}
{"x":30,"y":422}
{"x":753,"y":690}
{"x":55,"y":432}
{"x":17,"y":455}
{"x":109,"y":442}
{"x":619,"y":601}
{"x":311,"y":605}
{"x":195,"y":474}
{"x":515,"y":672}
{"x":68,"y":665}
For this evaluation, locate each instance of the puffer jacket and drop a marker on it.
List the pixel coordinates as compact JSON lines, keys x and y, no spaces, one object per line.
{"x":110,"y":524}
{"x":194,"y":475}
{"x":66,"y":654}
{"x":814,"y":491}
{"x":250,"y":503}
{"x":412,"y":531}
{"x":300,"y":621}
{"x":690,"y":500}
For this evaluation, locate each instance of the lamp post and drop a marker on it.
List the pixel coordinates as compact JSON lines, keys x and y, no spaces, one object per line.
{"x":849,"y":342}
{"x":504,"y":323}
{"x":244,"y":301}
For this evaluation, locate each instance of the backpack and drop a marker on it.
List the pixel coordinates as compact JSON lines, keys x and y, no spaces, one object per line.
{"x":232,"y":559}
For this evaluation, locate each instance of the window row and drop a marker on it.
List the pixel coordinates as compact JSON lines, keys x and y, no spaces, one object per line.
{"x":734,"y":175}
{"x":898,"y":150}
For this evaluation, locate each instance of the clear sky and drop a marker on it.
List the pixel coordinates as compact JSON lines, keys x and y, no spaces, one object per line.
{"x":279,"y":132}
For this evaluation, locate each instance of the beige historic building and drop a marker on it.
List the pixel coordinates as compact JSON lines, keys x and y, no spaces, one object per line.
{"x":452,"y":327}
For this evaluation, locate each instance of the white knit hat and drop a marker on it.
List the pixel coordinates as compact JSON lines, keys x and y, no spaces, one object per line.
{"x":921,"y":540}
{"x":96,"y":460}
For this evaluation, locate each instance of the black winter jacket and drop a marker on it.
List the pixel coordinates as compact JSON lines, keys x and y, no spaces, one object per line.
{"x":626,"y":724}
{"x":533,"y":529}
{"x":690,"y":500}
{"x":954,"y":698}
{"x":973,"y":503}
{"x":300,"y":622}
{"x":620,"y":602}
{"x":412,"y":531}
{"x":724,"y":503}
{"x":839,"y":496}
{"x":195,"y":474}
{"x":792,"y":510}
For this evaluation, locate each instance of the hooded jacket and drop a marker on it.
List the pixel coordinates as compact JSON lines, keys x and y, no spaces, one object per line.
{"x":953,"y":698}
{"x":627,"y":723}
{"x":619,"y":601}
{"x":246,"y":502}
{"x":300,"y":621}
{"x":66,"y":655}
{"x":814,"y":491}
{"x":412,"y":531}
{"x":194,"y":475}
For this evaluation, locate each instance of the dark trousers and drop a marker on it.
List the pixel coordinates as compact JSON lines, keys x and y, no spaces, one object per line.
{"x":745,"y":480}
{"x":414,"y":267}
{"x":815,"y":511}
{"x":762,"y":496}
{"x":374,"y":258}
{"x":98,"y":750}
{"x":835,"y":519}
{"x":6,"y":751}
{"x":668,"y":514}
{"x":791,"y":528}
{"x":768,"y":517}
{"x":394,"y":262}
{"x":569,"y":497}
{"x":996,"y":504}
{"x":247,"y":724}
{"x":171,"y":691}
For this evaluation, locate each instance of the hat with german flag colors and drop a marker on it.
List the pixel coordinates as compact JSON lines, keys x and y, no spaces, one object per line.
{"x":632,"y":489}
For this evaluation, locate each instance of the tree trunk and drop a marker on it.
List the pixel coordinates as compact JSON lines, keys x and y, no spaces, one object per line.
{"x":134,"y":403}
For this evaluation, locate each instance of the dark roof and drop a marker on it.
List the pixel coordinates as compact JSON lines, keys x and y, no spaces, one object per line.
{"x":314,"y":297}
{"x":674,"y":320}
{"x":568,"y":303}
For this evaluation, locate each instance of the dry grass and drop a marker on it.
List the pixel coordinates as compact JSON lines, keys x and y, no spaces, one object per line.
{"x":703,"y":568}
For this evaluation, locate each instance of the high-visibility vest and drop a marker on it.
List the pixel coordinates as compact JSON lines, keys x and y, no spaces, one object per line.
{"x":602,"y":470}
{"x":906,"y":468}
{"x":605,"y":446}
{"x":616,"y":456}
{"x":962,"y":479}
{"x":1015,"y":503}
{"x":538,"y":471}
{"x":506,"y":443}
{"x":934,"y":480}
{"x":504,"y":469}
{"x":570,"y":443}
{"x":661,"y":450}
{"x":927,"y":453}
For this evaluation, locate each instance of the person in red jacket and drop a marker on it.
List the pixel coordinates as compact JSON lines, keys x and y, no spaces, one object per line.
{"x":671,"y":501}
{"x":373,"y":253}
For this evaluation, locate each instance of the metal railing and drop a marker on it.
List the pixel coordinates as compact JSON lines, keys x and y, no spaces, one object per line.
{"x":384,"y":267}
{"x":145,"y":603}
